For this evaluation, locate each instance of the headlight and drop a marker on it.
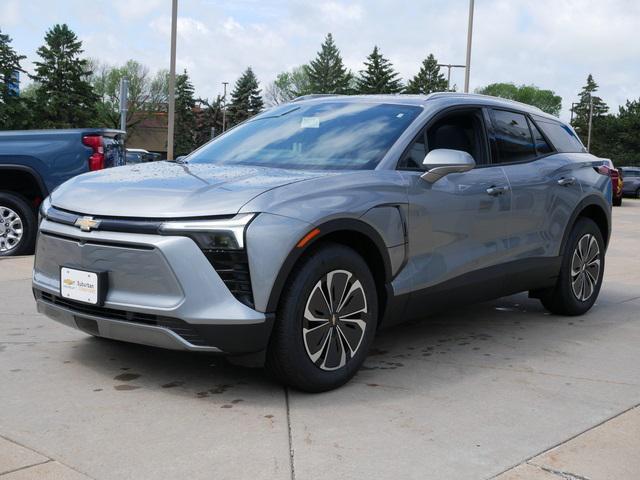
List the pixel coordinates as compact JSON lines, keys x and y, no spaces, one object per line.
{"x":226,"y":234}
{"x":44,"y":209}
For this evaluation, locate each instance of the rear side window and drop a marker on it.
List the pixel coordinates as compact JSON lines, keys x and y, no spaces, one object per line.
{"x":541,"y":145}
{"x":513,"y":137}
{"x":562,"y":137}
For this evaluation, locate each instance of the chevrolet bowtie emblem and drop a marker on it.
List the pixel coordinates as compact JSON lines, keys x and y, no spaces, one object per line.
{"x":87,"y":224}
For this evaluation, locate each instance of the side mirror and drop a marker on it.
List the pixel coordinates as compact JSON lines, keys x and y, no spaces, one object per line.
{"x":443,"y":161}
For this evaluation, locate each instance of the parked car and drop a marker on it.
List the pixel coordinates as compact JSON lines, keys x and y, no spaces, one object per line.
{"x":301,"y":232}
{"x":35,"y":162}
{"x":617,"y":181}
{"x":139,"y":155}
{"x":631,"y":186}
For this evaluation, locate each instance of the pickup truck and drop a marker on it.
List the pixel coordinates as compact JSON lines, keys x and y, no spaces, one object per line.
{"x":34,"y":162}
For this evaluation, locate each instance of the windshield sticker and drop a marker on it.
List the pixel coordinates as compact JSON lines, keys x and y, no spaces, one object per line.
{"x":310,"y":122}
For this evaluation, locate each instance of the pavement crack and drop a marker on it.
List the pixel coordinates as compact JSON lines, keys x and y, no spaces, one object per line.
{"x":291,"y":459}
{"x":2,"y":474}
{"x":560,"y":473}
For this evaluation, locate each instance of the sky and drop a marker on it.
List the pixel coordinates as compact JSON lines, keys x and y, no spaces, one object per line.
{"x":553,"y":44}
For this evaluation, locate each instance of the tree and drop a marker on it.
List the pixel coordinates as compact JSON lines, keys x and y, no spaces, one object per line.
{"x":429,"y":79}
{"x":146,"y":94}
{"x":14,"y":113}
{"x":245,"y":98}
{"x":545,"y":100}
{"x":208,"y":118}
{"x":582,"y":108}
{"x":327,"y":73}
{"x":185,"y":122}
{"x":287,"y":86}
{"x":618,"y":136}
{"x":65,"y":98}
{"x":379,"y":75}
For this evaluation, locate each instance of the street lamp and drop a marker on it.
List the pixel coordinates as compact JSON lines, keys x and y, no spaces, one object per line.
{"x":469,"y":35}
{"x":449,"y":67}
{"x":224,"y":107}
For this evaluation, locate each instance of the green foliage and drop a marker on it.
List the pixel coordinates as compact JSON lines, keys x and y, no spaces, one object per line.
{"x":185,"y":123}
{"x":245,"y":98}
{"x":287,"y":86}
{"x":618,"y":136}
{"x":208,"y":117}
{"x":146,"y":94}
{"x":429,"y":79}
{"x":327,"y":73}
{"x":545,"y":100}
{"x":15,"y":111}
{"x":581,"y":109}
{"x":379,"y":76}
{"x":65,"y":98}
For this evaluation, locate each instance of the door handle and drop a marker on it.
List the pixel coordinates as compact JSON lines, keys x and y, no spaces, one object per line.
{"x":495,"y":191}
{"x":565,"y":182}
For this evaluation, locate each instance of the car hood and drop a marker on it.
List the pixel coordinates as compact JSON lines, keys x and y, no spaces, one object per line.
{"x":170,"y":190}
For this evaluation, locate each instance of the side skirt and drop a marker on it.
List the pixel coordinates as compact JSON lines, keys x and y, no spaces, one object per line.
{"x":478,"y":286}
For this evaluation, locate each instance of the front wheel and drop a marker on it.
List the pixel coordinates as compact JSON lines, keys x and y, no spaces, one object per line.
{"x":326,"y":321}
{"x":18,"y":225}
{"x":581,"y":274}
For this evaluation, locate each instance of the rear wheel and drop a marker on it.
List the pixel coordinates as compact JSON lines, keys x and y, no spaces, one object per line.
{"x":326,"y":321}
{"x":18,"y":225}
{"x":581,"y":274}
{"x":638,"y":193}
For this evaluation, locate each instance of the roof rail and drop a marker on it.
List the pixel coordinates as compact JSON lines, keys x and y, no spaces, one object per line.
{"x":315,"y":95}
{"x":480,"y":95}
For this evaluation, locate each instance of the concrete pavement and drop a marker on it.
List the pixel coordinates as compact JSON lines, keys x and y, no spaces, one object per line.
{"x":478,"y":392}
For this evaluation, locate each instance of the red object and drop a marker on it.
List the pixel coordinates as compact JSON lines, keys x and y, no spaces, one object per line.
{"x":616,"y":180}
{"x":96,"y":160}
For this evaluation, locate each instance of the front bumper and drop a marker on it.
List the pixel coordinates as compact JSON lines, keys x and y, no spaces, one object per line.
{"x":161,"y":291}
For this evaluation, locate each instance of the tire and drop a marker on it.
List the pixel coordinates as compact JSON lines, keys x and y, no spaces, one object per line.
{"x":570,"y":296}
{"x":18,"y":227}
{"x":638,"y":193}
{"x":323,"y":354}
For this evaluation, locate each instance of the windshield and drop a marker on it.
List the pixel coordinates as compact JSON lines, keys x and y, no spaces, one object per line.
{"x":324,"y":136}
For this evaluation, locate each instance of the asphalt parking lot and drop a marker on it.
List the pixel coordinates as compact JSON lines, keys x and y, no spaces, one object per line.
{"x":468,"y":394}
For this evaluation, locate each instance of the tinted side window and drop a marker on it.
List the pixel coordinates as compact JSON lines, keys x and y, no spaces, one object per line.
{"x":562,"y":137}
{"x":513,"y":137}
{"x":542,"y":147}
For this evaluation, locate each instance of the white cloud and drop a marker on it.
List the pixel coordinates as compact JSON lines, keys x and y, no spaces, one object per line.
{"x":553,"y":44}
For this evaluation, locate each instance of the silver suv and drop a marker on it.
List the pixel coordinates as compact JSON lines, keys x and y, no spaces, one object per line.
{"x":301,"y":232}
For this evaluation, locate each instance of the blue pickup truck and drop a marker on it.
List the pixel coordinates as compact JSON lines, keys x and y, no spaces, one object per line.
{"x":34,"y":162}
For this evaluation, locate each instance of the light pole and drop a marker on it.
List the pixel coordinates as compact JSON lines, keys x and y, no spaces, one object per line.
{"x":590,"y":122}
{"x":224,"y":107}
{"x":449,"y":67}
{"x":469,"y":36}
{"x":172,"y":80}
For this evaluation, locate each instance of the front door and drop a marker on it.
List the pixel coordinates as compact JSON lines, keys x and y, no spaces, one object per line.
{"x":458,"y":232}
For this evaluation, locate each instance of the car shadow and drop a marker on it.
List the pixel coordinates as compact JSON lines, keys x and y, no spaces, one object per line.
{"x":493,"y":332}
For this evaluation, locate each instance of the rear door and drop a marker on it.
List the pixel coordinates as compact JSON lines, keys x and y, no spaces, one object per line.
{"x":544,"y":194}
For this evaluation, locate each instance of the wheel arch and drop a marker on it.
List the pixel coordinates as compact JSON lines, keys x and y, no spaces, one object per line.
{"x":354,"y":233}
{"x":23,"y":180}
{"x":596,"y":209}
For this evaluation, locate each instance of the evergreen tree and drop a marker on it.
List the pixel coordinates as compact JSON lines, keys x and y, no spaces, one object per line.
{"x":13,"y":111}
{"x":429,"y":79}
{"x":582,"y":108}
{"x":327,"y":73}
{"x":65,"y":98}
{"x":208,"y":118}
{"x":245,"y":98}
{"x":378,"y":76}
{"x":185,"y":123}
